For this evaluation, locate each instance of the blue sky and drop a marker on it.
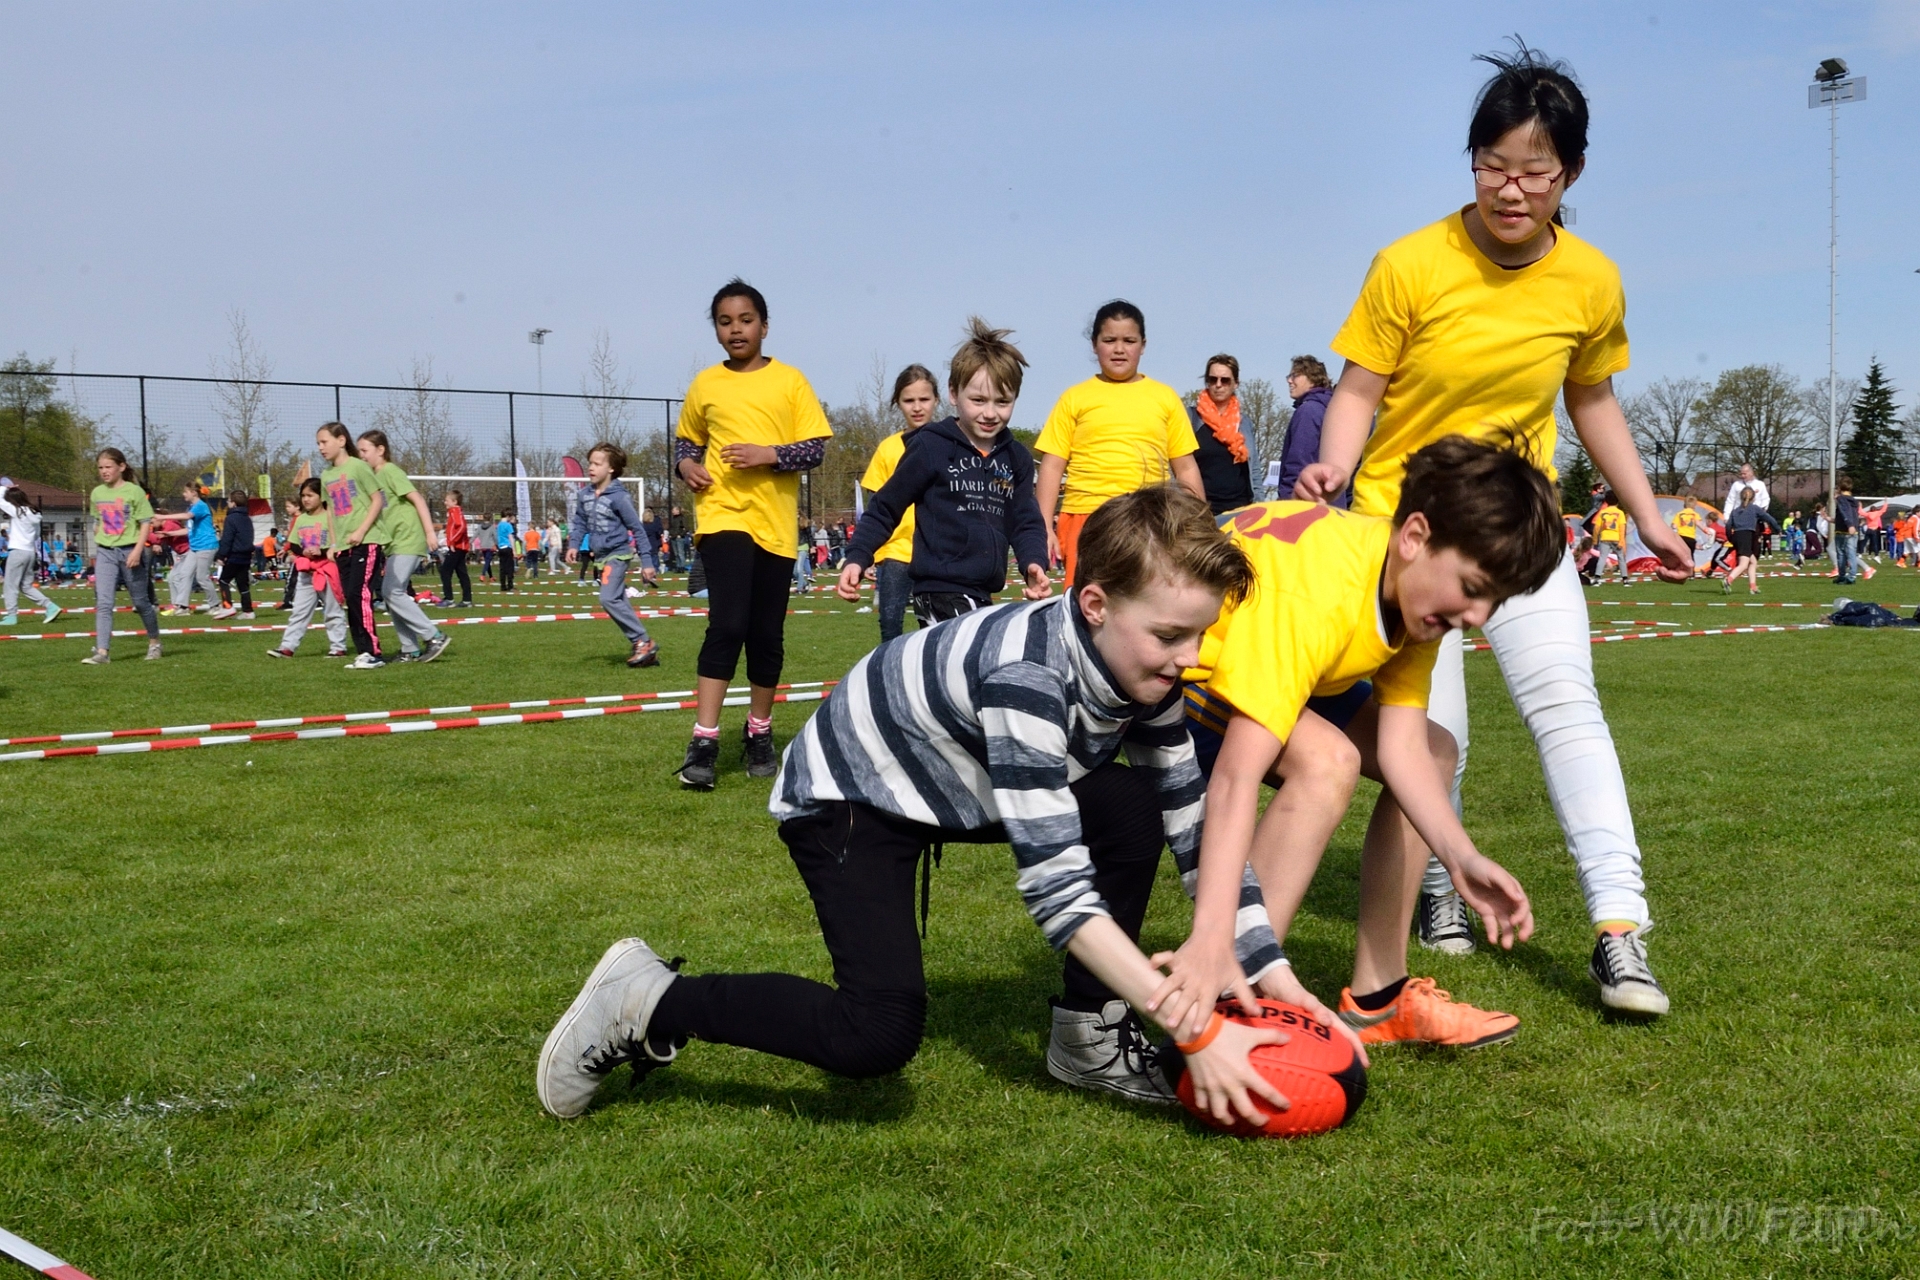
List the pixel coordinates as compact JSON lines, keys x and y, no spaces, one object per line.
{"x":374,"y":183}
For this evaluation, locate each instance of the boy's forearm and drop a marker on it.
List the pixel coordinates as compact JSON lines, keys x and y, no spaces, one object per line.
{"x":1114,"y":959}
{"x":1232,"y":810}
{"x":1349,"y":416}
{"x":1413,"y":775}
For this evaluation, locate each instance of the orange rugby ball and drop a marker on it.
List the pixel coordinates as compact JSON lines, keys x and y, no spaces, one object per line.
{"x":1317,"y":1069}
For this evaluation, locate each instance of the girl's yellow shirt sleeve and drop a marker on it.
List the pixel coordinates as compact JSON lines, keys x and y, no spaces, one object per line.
{"x":1180,"y":438}
{"x":1056,"y":433}
{"x":1375,"y":333}
{"x":880,"y":469}
{"x":1603,"y":351}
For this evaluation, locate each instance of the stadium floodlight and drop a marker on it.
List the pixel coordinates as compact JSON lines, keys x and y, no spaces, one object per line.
{"x":538,"y":337}
{"x":1832,"y":86}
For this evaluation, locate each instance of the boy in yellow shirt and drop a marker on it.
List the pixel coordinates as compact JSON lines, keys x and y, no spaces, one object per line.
{"x":1686,"y":524}
{"x":1609,"y":536}
{"x":749,"y":426}
{"x":1112,"y":434}
{"x":1321,"y":676}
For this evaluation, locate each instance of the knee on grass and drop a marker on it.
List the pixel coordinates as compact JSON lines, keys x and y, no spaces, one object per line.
{"x":882,"y":1034}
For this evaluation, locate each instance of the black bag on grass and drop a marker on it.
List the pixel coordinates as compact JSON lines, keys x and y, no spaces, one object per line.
{"x":1864,"y":613}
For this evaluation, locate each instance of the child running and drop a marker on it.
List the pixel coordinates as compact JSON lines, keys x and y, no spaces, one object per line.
{"x":122,"y":516}
{"x":453,"y":560}
{"x":23,"y":553}
{"x":235,"y":554}
{"x":409,"y":538}
{"x":606,"y":516}
{"x":1114,"y":433}
{"x":916,"y":395}
{"x":1480,"y":320}
{"x":1320,"y":676}
{"x":316,"y":578}
{"x":749,"y":426}
{"x":972,"y":483}
{"x":1000,"y":725}
{"x":355,"y":541}
{"x":1744,"y":527}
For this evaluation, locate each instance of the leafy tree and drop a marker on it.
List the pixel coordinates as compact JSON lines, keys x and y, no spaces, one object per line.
{"x":1756,"y":414}
{"x":1870,"y":454}
{"x":42,"y":438}
{"x":1660,"y":418}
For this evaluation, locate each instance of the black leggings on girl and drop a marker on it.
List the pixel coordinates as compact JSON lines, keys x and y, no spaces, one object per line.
{"x":747,"y":588}
{"x":859,"y":866}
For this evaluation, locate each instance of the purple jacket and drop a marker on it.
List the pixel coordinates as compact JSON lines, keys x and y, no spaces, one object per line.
{"x":1302,"y":446}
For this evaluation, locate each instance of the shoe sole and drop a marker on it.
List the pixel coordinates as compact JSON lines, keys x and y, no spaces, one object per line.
{"x":689,"y":784}
{"x":614,"y":954}
{"x":1639,"y":999}
{"x":1093,"y":1084}
{"x":1497,"y":1037}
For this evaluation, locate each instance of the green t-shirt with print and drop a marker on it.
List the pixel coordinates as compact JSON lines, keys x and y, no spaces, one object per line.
{"x":308,"y":535}
{"x":118,"y":512}
{"x":350,"y":487}
{"x":399,"y":522}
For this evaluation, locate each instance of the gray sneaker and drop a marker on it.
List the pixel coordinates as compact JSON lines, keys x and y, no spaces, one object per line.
{"x":1619,"y":965}
{"x":605,"y":1026}
{"x":1107,"y":1051}
{"x":1440,"y":921}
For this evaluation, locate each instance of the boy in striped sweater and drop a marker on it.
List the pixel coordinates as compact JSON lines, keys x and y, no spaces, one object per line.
{"x":1001,"y":724}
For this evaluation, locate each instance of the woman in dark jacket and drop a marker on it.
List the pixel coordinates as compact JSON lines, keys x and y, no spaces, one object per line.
{"x":1225,"y":457}
{"x":1308,"y":384}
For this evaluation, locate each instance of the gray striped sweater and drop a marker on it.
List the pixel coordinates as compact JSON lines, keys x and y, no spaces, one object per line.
{"x":984,"y":721}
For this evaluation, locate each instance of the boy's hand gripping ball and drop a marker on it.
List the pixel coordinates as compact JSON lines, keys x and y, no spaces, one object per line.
{"x":1316,"y":1069}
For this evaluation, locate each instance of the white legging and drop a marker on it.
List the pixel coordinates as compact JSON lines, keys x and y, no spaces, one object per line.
{"x":1543,"y":645}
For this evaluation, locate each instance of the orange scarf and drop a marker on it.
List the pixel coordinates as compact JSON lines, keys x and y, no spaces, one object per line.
{"x":1224,"y":423}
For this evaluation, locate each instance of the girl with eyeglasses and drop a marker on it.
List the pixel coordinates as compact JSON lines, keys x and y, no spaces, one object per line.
{"x":1474,"y":325}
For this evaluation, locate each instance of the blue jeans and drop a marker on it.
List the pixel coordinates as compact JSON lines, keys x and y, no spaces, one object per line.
{"x":1846,"y":555}
{"x":892,"y":584}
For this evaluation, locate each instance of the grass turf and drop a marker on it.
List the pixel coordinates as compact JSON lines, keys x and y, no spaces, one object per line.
{"x":272,"y":1010}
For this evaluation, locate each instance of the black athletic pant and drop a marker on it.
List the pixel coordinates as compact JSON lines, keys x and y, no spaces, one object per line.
{"x":859,"y":866}
{"x":746,"y":606}
{"x":362,"y":570}
{"x":452,"y":562}
{"x":930,"y":607}
{"x":236,"y":573}
{"x":506,"y":569}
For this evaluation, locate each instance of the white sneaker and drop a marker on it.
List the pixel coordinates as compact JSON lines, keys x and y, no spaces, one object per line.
{"x":1619,"y":965}
{"x":1108,"y":1052}
{"x":222,"y":612}
{"x":605,"y":1026}
{"x":366,"y":662}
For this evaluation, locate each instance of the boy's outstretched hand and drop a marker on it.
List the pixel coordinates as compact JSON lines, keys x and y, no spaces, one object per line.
{"x":848,"y":585}
{"x":1039,"y":586}
{"x":1490,"y":889}
{"x":1279,"y":983}
{"x":1197,"y":974}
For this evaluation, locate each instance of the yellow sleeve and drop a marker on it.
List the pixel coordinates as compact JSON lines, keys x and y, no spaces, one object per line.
{"x":1405,"y":679}
{"x":693,"y":416}
{"x":1180,"y":439}
{"x":886,"y":459}
{"x":809,"y":419}
{"x":1056,"y":435}
{"x":1271,"y":657}
{"x":1375,"y":333}
{"x":1603,"y":352}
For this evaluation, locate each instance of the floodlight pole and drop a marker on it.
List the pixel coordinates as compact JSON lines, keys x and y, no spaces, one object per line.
{"x":1831,"y":86}
{"x":538,"y":337}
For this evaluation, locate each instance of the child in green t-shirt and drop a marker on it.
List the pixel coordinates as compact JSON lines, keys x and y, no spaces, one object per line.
{"x":358,"y":542}
{"x":409,"y":530}
{"x":121,"y":515}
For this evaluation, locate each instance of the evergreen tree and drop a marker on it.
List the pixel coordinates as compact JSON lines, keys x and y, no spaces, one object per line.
{"x":1577,"y":479}
{"x":1870,"y":454}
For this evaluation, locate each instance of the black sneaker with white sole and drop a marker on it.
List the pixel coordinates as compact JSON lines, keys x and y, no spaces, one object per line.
{"x":1108,"y":1052}
{"x":698,"y":770}
{"x":1626,"y":980}
{"x":605,"y":1026}
{"x":761,"y":762}
{"x":1440,"y":922}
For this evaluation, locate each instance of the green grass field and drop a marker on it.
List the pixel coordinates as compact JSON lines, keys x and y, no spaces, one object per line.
{"x":272,"y":1010}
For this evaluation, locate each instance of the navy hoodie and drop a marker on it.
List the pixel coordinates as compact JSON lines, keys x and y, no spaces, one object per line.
{"x":236,"y":534}
{"x":968,"y":507}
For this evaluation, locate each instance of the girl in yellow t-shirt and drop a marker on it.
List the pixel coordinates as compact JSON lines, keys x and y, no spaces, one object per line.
{"x":916,"y":395}
{"x":1116,"y":432}
{"x":749,"y":426}
{"x":1475,"y":325}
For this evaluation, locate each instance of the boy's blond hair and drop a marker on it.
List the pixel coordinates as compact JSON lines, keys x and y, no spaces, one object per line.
{"x":1160,"y":532}
{"x":986,"y":348}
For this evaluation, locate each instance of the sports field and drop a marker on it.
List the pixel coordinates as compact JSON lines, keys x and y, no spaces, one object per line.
{"x":272,"y":1010}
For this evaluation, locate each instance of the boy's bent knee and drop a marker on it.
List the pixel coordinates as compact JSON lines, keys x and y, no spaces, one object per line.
{"x":883,"y":1035}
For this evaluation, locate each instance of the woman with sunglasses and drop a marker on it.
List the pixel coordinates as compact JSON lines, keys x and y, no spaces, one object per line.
{"x":1225,"y":456}
{"x":1476,"y":325}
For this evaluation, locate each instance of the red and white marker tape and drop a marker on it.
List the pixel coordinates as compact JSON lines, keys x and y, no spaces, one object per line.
{"x":1482,"y":645}
{"x":444,"y":622}
{"x":32,"y":1255}
{"x":1728,"y":604}
{"x":372,"y":730}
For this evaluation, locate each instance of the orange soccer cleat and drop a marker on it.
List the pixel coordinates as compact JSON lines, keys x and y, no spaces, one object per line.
{"x":1424,"y":1014}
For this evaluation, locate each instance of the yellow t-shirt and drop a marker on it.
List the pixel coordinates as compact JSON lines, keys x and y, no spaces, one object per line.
{"x":773,"y":405}
{"x":1470,"y":348}
{"x":886,"y":456}
{"x":1610,"y":525}
{"x":1116,"y":437}
{"x":1312,"y":624}
{"x":1686,"y":522}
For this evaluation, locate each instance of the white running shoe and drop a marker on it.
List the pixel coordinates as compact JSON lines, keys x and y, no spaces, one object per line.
{"x":605,"y":1026}
{"x":1619,"y":965}
{"x":366,"y":662}
{"x":1108,"y":1052}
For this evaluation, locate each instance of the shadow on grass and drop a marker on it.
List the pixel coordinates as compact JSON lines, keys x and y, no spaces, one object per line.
{"x":836,"y":1100}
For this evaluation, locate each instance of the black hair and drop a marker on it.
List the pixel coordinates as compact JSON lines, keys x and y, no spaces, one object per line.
{"x":1530,"y":88}
{"x":310,"y":485}
{"x":736,"y":288}
{"x":18,"y":497}
{"x":1118,"y":309}
{"x":908,"y":376}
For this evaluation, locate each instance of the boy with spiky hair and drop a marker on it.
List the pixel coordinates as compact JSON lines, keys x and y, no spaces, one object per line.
{"x":1319,"y":676}
{"x":970,"y":484}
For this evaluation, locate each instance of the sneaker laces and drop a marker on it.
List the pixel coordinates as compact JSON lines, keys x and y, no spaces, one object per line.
{"x":1625,"y":957}
{"x":630,"y":1046}
{"x":1443,"y":913}
{"x":1135,"y":1051}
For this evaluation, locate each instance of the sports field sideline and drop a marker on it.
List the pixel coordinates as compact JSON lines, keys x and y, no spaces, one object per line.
{"x":240,"y":1036}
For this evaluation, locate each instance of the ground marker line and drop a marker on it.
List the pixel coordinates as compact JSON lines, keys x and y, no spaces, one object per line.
{"x":371,"y":730}
{"x":288,"y":722}
{"x":1679,"y":635}
{"x":39,"y":1259}
{"x":443,"y":622}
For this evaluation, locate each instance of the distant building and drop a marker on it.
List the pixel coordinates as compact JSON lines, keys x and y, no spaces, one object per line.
{"x":63,"y":513}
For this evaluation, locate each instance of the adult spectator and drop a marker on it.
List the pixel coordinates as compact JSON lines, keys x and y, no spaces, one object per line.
{"x":1747,"y":480}
{"x":1311,"y":388}
{"x":554,"y":540}
{"x":651,"y":524}
{"x":1225,"y":456}
{"x":1846,"y":533}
